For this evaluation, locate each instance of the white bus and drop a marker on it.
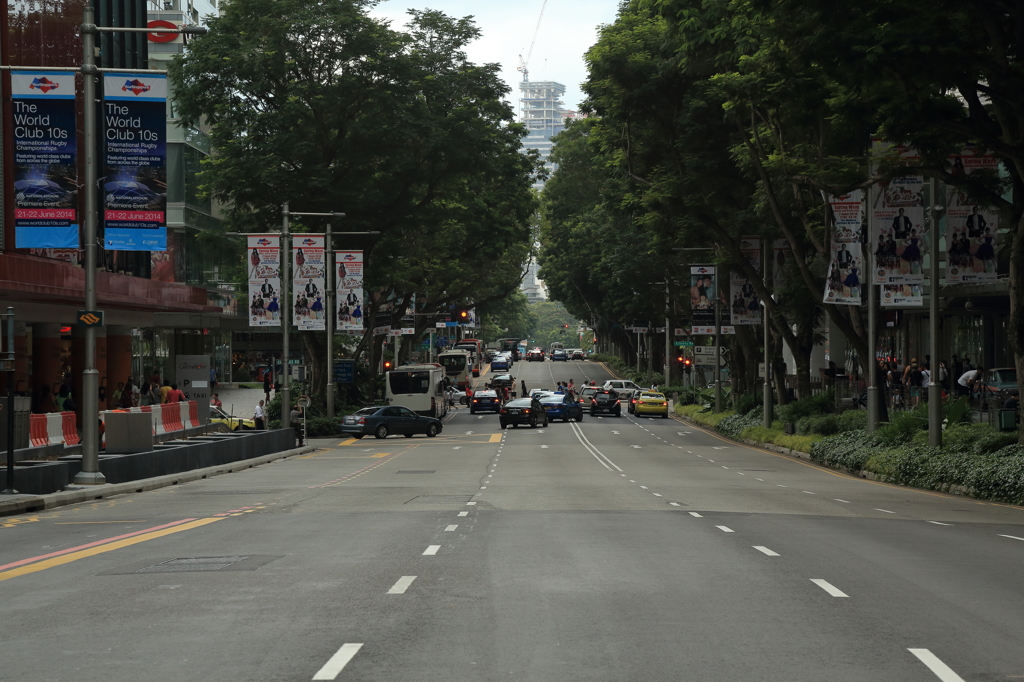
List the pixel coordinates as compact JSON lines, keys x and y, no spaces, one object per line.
{"x":458,"y":365}
{"x":419,"y":388}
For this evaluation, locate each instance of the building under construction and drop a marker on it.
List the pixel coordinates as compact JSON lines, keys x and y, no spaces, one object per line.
{"x":543,"y":113}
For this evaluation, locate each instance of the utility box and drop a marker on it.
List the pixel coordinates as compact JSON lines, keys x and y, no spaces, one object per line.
{"x":1007,"y":420}
{"x":129,"y":432}
{"x":22,"y":410}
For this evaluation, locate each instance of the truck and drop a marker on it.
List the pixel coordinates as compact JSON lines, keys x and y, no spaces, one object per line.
{"x":458,"y":366}
{"x":418,"y":387}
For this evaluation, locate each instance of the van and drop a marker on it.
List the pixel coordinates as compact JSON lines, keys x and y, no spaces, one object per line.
{"x":419,"y":388}
{"x":458,"y":366}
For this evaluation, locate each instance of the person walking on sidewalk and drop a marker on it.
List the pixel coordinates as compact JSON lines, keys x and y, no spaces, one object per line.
{"x":266,"y":386}
{"x":295,"y":418}
{"x":260,"y":417}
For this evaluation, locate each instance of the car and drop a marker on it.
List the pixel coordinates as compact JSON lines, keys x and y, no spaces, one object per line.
{"x":485,"y":400}
{"x":559,"y":354}
{"x":585,"y":394}
{"x":384,"y":420}
{"x":523,"y":411}
{"x":652,"y":403}
{"x":621,"y":385}
{"x":632,"y":397}
{"x":503,"y":381}
{"x":535,"y":355}
{"x":539,"y":393}
{"x":219,"y":416}
{"x":560,"y":406}
{"x":1002,"y":381}
{"x":500,"y":363}
{"x":456,"y":396}
{"x":578,"y":354}
{"x":605,"y":400}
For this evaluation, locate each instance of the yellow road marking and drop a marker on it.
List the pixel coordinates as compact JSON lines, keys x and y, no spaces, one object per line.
{"x":93,"y":551}
{"x":350,"y":441}
{"x":79,"y":523}
{"x":11,"y":523}
{"x":382,"y":454}
{"x":495,"y":438}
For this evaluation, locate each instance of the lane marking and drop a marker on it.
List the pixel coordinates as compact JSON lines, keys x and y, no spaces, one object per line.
{"x":781,"y":486}
{"x":431,"y":550}
{"x":764,"y":550}
{"x":759,"y":479}
{"x":597,"y":454}
{"x":543,"y":447}
{"x":656,"y":494}
{"x":828,"y":587}
{"x":941,"y":670}
{"x":1012,"y":537}
{"x":350,"y":441}
{"x":471,"y":503}
{"x":725,"y":529}
{"x":338,"y":662}
{"x":741,"y":473}
{"x":449,"y":529}
{"x":724,"y":467}
{"x":696,"y":514}
{"x":89,"y":523}
{"x":41,"y":563}
{"x":402,"y":585}
{"x":712,"y":461}
{"x":843,"y":501}
{"x":463,"y":513}
{"x":495,"y":438}
{"x":885,"y":510}
{"x":674,"y":504}
{"x":938,"y":523}
{"x":808,"y":492}
{"x":644,"y":487}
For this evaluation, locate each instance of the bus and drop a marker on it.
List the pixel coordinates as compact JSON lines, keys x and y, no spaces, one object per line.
{"x":512,"y":346}
{"x":475,"y":348}
{"x":419,"y":388}
{"x":556,"y":345}
{"x":458,"y":366}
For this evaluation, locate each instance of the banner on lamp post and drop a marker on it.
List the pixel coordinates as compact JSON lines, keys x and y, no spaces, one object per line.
{"x":349,"y":278}
{"x":309,"y":275}
{"x":264,"y":280}
{"x":135,"y":162}
{"x":45,"y":160}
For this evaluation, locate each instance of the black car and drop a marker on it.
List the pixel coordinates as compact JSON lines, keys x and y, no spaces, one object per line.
{"x":485,"y":401}
{"x":562,"y":407}
{"x":605,"y":400}
{"x":633,"y":397}
{"x":385,"y":420}
{"x":523,"y":411}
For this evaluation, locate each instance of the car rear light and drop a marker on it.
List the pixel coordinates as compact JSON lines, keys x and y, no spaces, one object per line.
{"x":362,"y":420}
{"x":665,"y":404}
{"x":503,"y":411}
{"x":593,"y":401}
{"x":475,"y":400}
{"x":526,"y":411}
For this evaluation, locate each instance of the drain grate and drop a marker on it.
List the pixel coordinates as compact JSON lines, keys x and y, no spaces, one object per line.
{"x":196,"y":564}
{"x":416,"y":472}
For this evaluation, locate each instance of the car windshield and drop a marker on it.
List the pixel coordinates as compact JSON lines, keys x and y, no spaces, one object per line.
{"x":366,"y":412}
{"x":519,"y":402}
{"x":486,"y":394}
{"x":552,"y":400}
{"x":409,"y":382}
{"x":657,"y":396}
{"x":1008,"y":376}
{"x":453,"y":364}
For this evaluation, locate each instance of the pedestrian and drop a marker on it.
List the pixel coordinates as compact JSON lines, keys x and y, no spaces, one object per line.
{"x":118,"y":393}
{"x":968,"y":380}
{"x":175,"y":395}
{"x":216,"y":402}
{"x":942,"y":375}
{"x":127,"y":395}
{"x":259,"y":416}
{"x":525,"y":392}
{"x":295,"y":418}
{"x":165,"y":391}
{"x":266,"y":386}
{"x":46,"y":402}
{"x":63,"y":395}
{"x":146,"y":395}
{"x":213,"y":378}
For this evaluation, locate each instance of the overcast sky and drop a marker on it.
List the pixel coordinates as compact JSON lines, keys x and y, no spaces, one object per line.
{"x":568,"y":29}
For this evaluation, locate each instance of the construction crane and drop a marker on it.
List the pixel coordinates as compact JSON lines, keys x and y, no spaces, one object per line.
{"x":525,"y":63}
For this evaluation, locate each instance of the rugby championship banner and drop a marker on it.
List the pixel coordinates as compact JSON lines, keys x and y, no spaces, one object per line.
{"x":970,"y":229}
{"x":135,"y":160}
{"x":843,"y":283}
{"x":702,"y":299}
{"x":264,"y":280}
{"x":349,"y":282}
{"x":898,"y":234}
{"x":45,"y":160}
{"x":746,"y":304}
{"x":309,"y":275}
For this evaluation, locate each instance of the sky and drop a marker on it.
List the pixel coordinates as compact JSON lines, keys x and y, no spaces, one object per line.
{"x":567,"y":31}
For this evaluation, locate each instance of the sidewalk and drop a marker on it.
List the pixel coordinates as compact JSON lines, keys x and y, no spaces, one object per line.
{"x":240,"y":402}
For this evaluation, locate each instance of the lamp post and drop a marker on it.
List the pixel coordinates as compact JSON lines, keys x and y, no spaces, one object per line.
{"x":767,"y":388}
{"x":8,"y":364}
{"x":934,"y":388}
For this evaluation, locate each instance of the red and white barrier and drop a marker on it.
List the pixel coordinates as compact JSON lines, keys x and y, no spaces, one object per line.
{"x":37,"y":430}
{"x":172,"y":417}
{"x":69,"y":428}
{"x":193,"y":414}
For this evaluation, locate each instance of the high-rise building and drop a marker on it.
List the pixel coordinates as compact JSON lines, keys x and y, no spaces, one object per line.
{"x":541,"y":110}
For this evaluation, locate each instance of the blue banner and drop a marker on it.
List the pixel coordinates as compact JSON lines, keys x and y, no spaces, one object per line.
{"x":45,"y":160}
{"x":135,"y":183}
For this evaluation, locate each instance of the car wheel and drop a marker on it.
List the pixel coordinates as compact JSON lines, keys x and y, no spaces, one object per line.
{"x":516,"y":425}
{"x":580,"y":418}
{"x":431,"y":430}
{"x":545,"y":424}
{"x":357,"y":436}
{"x":533,"y":423}
{"x":464,"y":400}
{"x":565,"y":419}
{"x":381,"y":432}
{"x":408,"y":435}
{"x":504,"y":426}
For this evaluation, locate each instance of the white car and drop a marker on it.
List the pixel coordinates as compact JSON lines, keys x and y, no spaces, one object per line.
{"x":621,"y":385}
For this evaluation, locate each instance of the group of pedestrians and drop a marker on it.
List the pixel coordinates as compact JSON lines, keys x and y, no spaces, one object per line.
{"x":128,"y":394}
{"x":907,"y":384}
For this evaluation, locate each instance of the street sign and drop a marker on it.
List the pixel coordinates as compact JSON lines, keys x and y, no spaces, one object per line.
{"x":89,"y":318}
{"x":682,"y":344}
{"x":344,"y":371}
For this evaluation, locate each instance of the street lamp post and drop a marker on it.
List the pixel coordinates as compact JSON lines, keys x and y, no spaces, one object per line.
{"x":9,"y":370}
{"x":767,"y":388}
{"x":934,"y":388}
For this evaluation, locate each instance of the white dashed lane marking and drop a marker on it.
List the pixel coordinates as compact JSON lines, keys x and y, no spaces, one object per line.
{"x":828,"y":587}
{"x":402,"y":585}
{"x":450,"y":528}
{"x":765,"y":550}
{"x":843,"y":501}
{"x":463,"y":513}
{"x":725,"y":529}
{"x":1012,"y":537}
{"x":941,"y":670}
{"x":939,"y":523}
{"x":431,"y":550}
{"x":696,"y":514}
{"x":338,"y":662}
{"x":885,"y":510}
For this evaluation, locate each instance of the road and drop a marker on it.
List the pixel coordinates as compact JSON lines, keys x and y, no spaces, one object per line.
{"x":614,"y":549}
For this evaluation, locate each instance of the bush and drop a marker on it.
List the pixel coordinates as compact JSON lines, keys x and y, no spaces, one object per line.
{"x":853,"y":420}
{"x":977,"y":439}
{"x":903,"y":426}
{"x":777,"y":436}
{"x":242,"y":375}
{"x":812,"y":405}
{"x":734,"y":425}
{"x":322,"y":427}
{"x":849,"y":450}
{"x":745,"y":403}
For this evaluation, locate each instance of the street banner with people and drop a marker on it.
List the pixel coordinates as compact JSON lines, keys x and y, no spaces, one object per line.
{"x":745,"y":306}
{"x":845,"y":270}
{"x":781,"y":255}
{"x":898,"y":235}
{"x":45,"y":160}
{"x":970,"y":228}
{"x":135,"y":162}
{"x":349,"y":282}
{"x":309,"y":277}
{"x":702,"y":299}
{"x":902,"y":296}
{"x":264,"y":255}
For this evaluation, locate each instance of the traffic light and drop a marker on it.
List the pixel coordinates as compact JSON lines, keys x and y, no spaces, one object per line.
{"x":463,"y":315}
{"x":387,"y":365}
{"x":687,"y":365}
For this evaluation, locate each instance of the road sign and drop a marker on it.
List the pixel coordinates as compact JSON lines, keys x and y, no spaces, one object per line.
{"x":89,"y":318}
{"x":344,"y":371}
{"x":683,"y":344}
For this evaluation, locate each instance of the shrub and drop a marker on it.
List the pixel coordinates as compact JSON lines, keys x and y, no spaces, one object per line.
{"x":825,"y":424}
{"x":776,"y":436}
{"x":812,"y":405}
{"x":903,"y":426}
{"x":745,"y":403}
{"x":322,"y":427}
{"x":977,"y":439}
{"x":849,"y":450}
{"x":734,"y":425}
{"x":242,"y":375}
{"x":853,"y":420}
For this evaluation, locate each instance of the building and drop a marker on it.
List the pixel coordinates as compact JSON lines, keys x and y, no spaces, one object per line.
{"x":541,"y":111}
{"x":157,"y":304}
{"x":532,"y":286}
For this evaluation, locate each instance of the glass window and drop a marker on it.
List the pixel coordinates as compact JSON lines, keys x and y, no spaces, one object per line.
{"x":453,"y":364}
{"x":406,"y":412}
{"x":409,"y":382}
{"x":391,"y":412}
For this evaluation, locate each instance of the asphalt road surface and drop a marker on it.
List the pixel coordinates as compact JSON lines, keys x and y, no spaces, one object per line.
{"x":616,"y":549}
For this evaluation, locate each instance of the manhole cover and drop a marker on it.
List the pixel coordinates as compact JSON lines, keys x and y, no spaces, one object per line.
{"x":440,"y":499}
{"x":196,"y":564}
{"x":415,"y":472}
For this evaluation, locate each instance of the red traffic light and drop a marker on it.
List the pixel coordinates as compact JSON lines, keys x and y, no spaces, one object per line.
{"x":387,"y":365}
{"x":463,"y":314}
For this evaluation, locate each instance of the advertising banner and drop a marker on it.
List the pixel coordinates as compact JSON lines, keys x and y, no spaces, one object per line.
{"x":781,"y":255}
{"x":842,"y":285}
{"x":897,"y":224}
{"x":45,"y":160}
{"x":193,"y":376}
{"x":135,"y":160}
{"x":746,"y":305}
{"x":350,"y":290}
{"x":902,"y":295}
{"x":970,"y":228}
{"x":702,"y":297}
{"x":264,"y":280}
{"x":309,"y":270}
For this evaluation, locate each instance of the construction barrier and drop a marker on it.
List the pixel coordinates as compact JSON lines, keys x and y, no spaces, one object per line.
{"x":171,"y":418}
{"x":69,"y":428}
{"x":37,"y":430}
{"x":193,"y":414}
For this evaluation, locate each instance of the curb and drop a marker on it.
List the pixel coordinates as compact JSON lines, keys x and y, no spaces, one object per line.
{"x":36,"y":503}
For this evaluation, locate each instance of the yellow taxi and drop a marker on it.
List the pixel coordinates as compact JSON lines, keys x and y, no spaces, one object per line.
{"x":219,"y":416}
{"x":649,"y":402}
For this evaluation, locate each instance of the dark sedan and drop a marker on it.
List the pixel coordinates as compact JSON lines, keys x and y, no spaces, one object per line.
{"x":485,"y":401}
{"x":385,"y":420}
{"x":562,"y":407}
{"x":523,"y":411}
